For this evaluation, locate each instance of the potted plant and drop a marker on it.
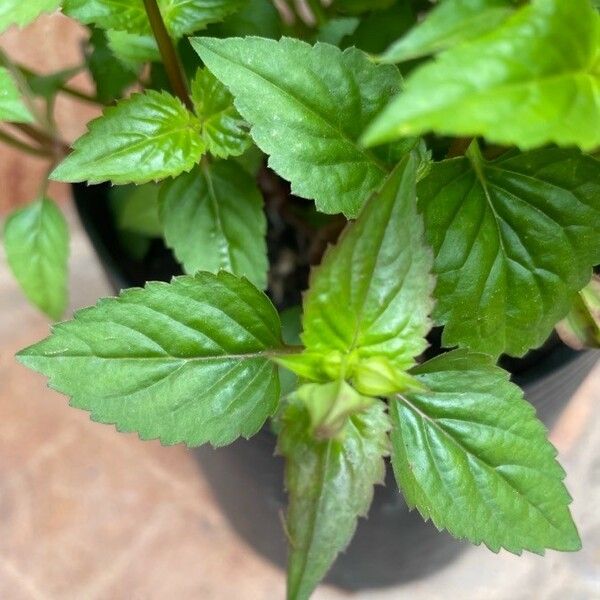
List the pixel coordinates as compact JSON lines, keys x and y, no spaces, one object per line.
{"x":442,"y":171}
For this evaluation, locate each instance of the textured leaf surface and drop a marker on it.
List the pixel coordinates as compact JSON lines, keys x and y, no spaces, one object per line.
{"x":182,"y":362}
{"x":224,"y":132}
{"x":12,"y":107}
{"x":449,"y":23}
{"x":213,"y":219}
{"x":330,"y":484}
{"x":531,"y":81}
{"x":23,"y":12}
{"x":372,"y":292}
{"x":147,"y":137}
{"x":307,"y":106}
{"x":180,"y":16}
{"x":471,"y":455}
{"x":514,"y":239}
{"x":36,"y":240}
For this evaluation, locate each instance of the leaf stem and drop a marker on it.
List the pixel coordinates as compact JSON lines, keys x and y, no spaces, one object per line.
{"x":53,"y":145}
{"x":9,"y":140}
{"x":168,"y":53}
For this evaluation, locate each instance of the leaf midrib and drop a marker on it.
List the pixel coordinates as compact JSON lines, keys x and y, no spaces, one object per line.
{"x":476,"y":458}
{"x":368,"y":156}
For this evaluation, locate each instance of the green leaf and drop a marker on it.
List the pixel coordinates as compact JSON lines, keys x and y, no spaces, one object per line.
{"x":12,"y":107}
{"x":21,"y":13}
{"x":472,"y":457}
{"x":36,"y":240}
{"x":224,"y":132}
{"x":581,"y":327}
{"x":181,"y":17}
{"x":448,"y":24}
{"x":133,"y":49}
{"x":137,"y":208}
{"x":531,"y":81}
{"x":514,"y":239}
{"x":372,"y":293}
{"x":47,"y":86}
{"x":356,"y":7}
{"x":111,"y":76}
{"x":330,"y":484}
{"x":213,"y":219}
{"x":309,"y":123}
{"x":182,"y":362}
{"x":147,"y":137}
{"x":335,"y":30}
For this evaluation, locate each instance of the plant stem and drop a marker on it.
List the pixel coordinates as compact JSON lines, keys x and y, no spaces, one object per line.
{"x":22,"y":146}
{"x":51,"y":144}
{"x":168,"y":53}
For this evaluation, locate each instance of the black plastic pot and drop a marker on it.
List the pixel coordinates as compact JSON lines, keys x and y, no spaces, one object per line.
{"x":393,"y":545}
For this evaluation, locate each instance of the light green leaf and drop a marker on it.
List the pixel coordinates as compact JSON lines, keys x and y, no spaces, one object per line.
{"x":213,"y":219}
{"x":181,"y":17}
{"x":36,"y":240}
{"x":12,"y":107}
{"x":23,"y":12}
{"x":224,"y":132}
{"x":330,"y":484}
{"x":133,"y":49}
{"x":449,"y":23}
{"x":182,"y":362}
{"x":514,"y":239}
{"x":472,"y":457}
{"x":137,"y":208}
{"x":372,"y":293}
{"x":531,"y":81}
{"x":309,"y":123}
{"x":147,"y":137}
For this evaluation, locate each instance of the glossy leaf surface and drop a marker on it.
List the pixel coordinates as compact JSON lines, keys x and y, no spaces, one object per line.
{"x":514,"y":239}
{"x":182,"y":362}
{"x":471,"y":455}
{"x":372,"y":292}
{"x":532,"y":81}
{"x":307,"y":105}
{"x":147,"y":137}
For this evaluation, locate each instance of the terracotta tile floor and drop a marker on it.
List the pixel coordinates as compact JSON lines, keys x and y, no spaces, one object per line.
{"x":86,"y":513}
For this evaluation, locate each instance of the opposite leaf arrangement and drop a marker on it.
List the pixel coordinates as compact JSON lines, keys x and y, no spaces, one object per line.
{"x":492,"y":234}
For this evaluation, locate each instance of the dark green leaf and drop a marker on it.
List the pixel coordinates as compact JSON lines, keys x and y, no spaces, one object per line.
{"x":213,"y":219}
{"x":514,"y":239}
{"x":36,"y":240}
{"x":330,"y":484}
{"x":147,"y":137}
{"x":183,"y":362}
{"x":449,"y":23}
{"x":48,"y":86}
{"x":309,"y":123}
{"x":256,"y":17}
{"x":137,"y":208}
{"x":470,"y":454}
{"x":132,"y":49}
{"x":531,"y":81}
